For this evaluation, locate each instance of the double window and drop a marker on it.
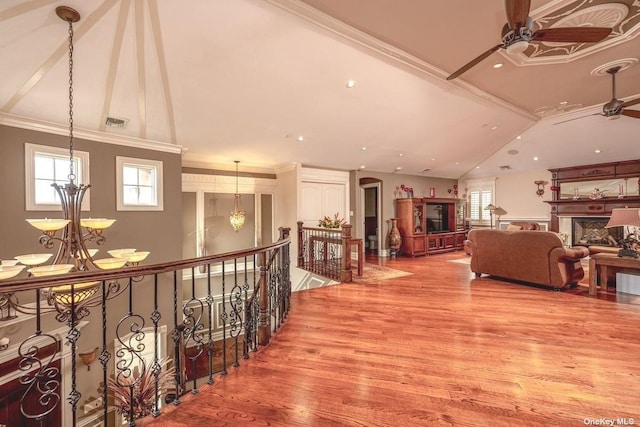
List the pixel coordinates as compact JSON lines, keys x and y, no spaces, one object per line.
{"x":480,"y":196}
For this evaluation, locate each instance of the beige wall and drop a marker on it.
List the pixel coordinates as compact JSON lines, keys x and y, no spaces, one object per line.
{"x":516,"y":194}
{"x":158,"y":232}
{"x":391,"y":181}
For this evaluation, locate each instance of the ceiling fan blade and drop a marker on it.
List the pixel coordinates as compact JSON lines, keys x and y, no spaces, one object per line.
{"x":630,"y":102}
{"x":473,"y":63}
{"x":631,"y":113}
{"x":581,"y":117}
{"x":517,"y":12}
{"x":572,"y":35}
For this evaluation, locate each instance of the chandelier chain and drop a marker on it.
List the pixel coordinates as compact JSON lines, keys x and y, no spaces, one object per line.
{"x":72,"y":176}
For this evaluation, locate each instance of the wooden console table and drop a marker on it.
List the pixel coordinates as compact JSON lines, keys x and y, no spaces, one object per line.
{"x":599,"y":264}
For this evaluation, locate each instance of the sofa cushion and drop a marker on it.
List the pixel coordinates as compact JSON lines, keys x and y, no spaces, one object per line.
{"x":512,"y":227}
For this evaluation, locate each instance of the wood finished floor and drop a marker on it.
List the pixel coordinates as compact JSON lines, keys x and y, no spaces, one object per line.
{"x":439,"y":347}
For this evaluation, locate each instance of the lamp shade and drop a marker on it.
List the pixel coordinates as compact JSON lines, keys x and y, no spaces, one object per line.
{"x":624,"y":216}
{"x":490,"y":207}
{"x":499,"y":211}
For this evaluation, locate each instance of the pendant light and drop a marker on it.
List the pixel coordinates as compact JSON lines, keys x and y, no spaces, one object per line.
{"x":236,"y":218}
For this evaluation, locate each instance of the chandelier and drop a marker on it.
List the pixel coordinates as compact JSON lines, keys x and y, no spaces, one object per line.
{"x":236,"y":217}
{"x":72,"y":234}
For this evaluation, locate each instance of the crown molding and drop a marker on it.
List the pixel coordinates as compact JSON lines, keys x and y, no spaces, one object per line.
{"x":57,"y":129}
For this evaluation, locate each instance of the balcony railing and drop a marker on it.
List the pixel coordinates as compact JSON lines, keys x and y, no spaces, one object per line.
{"x":158,"y":331}
{"x":327,"y":252}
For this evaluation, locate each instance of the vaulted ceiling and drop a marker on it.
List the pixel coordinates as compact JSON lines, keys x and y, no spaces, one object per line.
{"x":244,"y":79}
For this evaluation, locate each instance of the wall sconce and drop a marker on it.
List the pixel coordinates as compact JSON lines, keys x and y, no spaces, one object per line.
{"x":89,"y":357}
{"x":540,"y":190}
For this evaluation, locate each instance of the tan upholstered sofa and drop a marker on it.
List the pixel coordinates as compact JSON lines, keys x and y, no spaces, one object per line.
{"x":529,"y":256}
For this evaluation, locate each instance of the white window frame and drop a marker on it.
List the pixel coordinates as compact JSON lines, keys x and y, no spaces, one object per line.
{"x":30,"y":151}
{"x":145,"y":163}
{"x":482,"y":187}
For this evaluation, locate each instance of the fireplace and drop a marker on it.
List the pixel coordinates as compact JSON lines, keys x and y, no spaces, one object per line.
{"x":590,"y":231}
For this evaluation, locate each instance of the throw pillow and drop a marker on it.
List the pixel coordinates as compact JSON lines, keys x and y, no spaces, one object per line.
{"x":512,"y":227}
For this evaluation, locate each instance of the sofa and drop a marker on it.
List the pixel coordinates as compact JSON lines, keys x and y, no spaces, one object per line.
{"x":537,"y":257}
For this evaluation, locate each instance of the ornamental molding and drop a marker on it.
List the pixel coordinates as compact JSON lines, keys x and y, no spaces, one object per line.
{"x":622,"y":16}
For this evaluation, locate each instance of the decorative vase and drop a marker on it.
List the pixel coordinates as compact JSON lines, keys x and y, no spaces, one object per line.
{"x":432,"y":192}
{"x":395,"y":240}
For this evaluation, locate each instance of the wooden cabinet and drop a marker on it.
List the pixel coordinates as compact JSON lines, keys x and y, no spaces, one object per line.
{"x":430,"y":225}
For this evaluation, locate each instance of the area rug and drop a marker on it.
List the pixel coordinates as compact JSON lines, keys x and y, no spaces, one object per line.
{"x":373,"y":273}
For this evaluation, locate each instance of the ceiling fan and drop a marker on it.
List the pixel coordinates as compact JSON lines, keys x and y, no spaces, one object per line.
{"x":518,"y":32}
{"x":614,"y":108}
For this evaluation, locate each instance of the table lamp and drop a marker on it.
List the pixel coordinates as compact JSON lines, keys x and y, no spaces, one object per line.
{"x":626,"y":217}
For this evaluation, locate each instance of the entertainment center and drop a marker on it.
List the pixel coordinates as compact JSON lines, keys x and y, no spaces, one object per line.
{"x":430,"y":225}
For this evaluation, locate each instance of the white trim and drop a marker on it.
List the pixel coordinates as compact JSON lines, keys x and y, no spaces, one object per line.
{"x":361,"y":217}
{"x":159,"y":188}
{"x":57,"y":129}
{"x":30,"y":151}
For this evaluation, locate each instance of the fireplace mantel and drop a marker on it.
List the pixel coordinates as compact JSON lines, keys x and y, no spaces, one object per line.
{"x":586,"y":206}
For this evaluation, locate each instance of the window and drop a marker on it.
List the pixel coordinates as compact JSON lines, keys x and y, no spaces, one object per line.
{"x":480,"y":195}
{"x":44,"y":166}
{"x":139,"y":184}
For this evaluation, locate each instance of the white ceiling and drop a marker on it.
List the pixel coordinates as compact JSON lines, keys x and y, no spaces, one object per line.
{"x":242,"y":79}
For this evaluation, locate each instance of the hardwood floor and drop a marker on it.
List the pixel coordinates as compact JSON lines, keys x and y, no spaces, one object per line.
{"x":439,"y":347}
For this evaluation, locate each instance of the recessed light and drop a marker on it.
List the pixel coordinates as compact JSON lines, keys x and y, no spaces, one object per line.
{"x":433,"y":159}
{"x":494,"y":127}
{"x":519,"y":137}
{"x":457,"y":163}
{"x":300,"y":138}
{"x":351,"y":83}
{"x":535,"y":158}
{"x":477,"y":167}
{"x":399,"y":168}
{"x":498,"y":65}
{"x":362,"y":167}
{"x":597,"y":151}
{"x":401,"y":154}
{"x":364,"y":148}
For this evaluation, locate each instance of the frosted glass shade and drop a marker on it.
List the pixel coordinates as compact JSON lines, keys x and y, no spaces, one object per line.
{"x":81,"y":291}
{"x":7,"y":272}
{"x":97,"y":223}
{"x":50,"y":270}
{"x":33,"y":259}
{"x":110,"y":263}
{"x":137,"y":256}
{"x":121,"y":253}
{"x":48,"y":224}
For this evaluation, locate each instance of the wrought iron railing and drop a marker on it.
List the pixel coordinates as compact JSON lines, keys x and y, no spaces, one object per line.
{"x":158,"y":331}
{"x":327,"y":252}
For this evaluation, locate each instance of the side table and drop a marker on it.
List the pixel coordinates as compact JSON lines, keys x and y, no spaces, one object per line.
{"x":599,"y":264}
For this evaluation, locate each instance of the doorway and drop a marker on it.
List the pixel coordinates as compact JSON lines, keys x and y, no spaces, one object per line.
{"x":371,"y":214}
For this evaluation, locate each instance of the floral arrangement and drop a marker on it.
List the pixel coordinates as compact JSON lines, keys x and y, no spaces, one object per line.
{"x":142,"y":383}
{"x":328,"y":222}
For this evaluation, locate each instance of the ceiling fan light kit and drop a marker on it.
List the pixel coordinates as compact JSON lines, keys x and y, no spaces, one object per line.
{"x":519,"y":31}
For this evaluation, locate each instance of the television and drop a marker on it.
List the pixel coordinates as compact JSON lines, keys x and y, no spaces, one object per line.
{"x":438,"y":218}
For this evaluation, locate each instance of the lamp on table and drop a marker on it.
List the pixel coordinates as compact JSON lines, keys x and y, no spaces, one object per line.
{"x":626,"y":217}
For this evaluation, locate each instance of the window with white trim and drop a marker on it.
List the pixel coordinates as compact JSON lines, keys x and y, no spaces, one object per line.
{"x":139,"y":184}
{"x":46,"y":165}
{"x":480,"y":196}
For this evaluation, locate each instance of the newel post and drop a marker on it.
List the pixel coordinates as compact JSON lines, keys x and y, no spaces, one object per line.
{"x":300,"y":246}
{"x":346,"y":275}
{"x":264,"y":330}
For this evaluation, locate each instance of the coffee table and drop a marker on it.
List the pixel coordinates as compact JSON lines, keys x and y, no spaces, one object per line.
{"x":599,"y":264}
